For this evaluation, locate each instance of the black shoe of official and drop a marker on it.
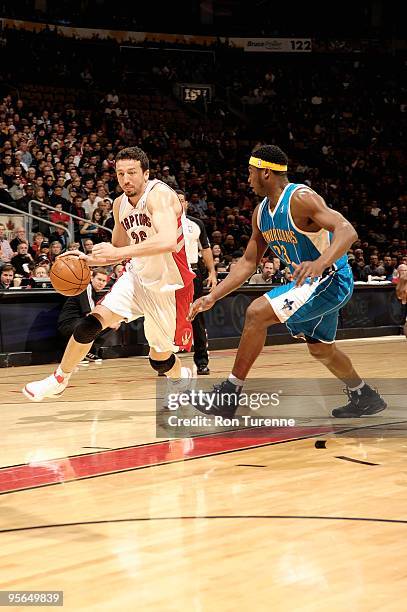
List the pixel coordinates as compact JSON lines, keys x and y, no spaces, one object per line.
{"x":93,"y":358}
{"x":362,"y":402}
{"x":222,"y":400}
{"x":203,"y":370}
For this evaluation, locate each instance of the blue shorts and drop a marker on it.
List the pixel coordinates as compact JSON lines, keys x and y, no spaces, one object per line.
{"x":312,"y":310}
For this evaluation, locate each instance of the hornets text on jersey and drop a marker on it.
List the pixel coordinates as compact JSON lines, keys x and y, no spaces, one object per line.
{"x":287,"y":241}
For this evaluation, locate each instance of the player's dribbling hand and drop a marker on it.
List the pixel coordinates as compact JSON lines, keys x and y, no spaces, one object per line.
{"x":200,"y":305}
{"x":75,"y":253}
{"x":306,"y":269}
{"x":104,"y":250}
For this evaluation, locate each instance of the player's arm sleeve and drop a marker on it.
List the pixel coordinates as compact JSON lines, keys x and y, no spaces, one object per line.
{"x":203,"y":236}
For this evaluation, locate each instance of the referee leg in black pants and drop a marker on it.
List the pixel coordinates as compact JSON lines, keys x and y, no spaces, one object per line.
{"x":201,"y":357}
{"x":67,"y":328}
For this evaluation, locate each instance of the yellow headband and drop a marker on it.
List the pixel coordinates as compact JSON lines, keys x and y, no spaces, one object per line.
{"x":260,"y":163}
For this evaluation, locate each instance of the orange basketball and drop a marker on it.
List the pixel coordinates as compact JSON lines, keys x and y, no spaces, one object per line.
{"x":70,"y":275}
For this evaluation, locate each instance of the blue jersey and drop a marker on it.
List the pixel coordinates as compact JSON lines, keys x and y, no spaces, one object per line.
{"x":288,"y":242}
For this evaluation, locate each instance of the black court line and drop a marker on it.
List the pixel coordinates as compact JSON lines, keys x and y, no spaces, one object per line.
{"x":355,"y":460}
{"x":361,"y":519}
{"x":249,"y":465}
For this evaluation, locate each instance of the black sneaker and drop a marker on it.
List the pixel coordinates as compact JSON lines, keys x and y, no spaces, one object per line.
{"x":363,"y":402}
{"x":203,"y":370}
{"x":222,"y":400}
{"x":92,"y":358}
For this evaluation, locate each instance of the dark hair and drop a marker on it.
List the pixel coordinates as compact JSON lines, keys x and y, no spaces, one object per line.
{"x":180,"y":192}
{"x":99,"y":271}
{"x":272,"y":153}
{"x":7,"y":268}
{"x":134,"y":153}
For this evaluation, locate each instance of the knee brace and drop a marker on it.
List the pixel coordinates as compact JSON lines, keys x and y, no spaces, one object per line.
{"x":87,"y":330}
{"x":163,"y":366}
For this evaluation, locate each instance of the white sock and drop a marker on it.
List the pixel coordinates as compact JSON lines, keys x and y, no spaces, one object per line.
{"x":235,"y":381}
{"x":185,"y":374}
{"x":59,"y":372}
{"x":359,"y":387}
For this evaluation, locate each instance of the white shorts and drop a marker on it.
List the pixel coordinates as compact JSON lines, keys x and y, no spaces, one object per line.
{"x":165,"y":324}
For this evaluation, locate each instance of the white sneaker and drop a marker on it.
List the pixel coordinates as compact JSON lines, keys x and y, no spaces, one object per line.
{"x":175,"y":387}
{"x":52,"y":386}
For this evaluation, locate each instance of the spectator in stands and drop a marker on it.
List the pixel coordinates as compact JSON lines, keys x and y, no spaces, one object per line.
{"x":19,"y":237}
{"x":288,"y":275}
{"x":6,"y":250}
{"x":118,"y":270}
{"x":91,"y":202}
{"x":22,"y":259}
{"x":6,"y":277}
{"x":59,"y":235}
{"x":5,"y":197}
{"x":91,"y":229}
{"x":78,"y":211}
{"x":168,"y":178}
{"x":278,"y":277}
{"x":229,"y":245}
{"x":17,"y":189}
{"x":374,"y":268}
{"x":266,"y":276}
{"x":107,"y":219}
{"x":39,"y":271}
{"x":217,"y":254}
{"x":55,"y":249}
{"x":73,"y":246}
{"x":23,"y":202}
{"x":44,"y":250}
{"x":87,"y":246}
{"x":56,"y":198}
{"x":75,"y":308}
{"x":58,"y":216}
{"x":389,"y":268}
{"x":38,"y":239}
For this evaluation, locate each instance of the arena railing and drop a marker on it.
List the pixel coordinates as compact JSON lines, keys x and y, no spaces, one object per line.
{"x":72,"y":216}
{"x":31,"y":216}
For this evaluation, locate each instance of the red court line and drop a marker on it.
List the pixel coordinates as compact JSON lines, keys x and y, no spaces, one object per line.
{"x":39,"y":474}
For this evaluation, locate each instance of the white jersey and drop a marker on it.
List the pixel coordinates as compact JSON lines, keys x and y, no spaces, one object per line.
{"x":162,"y":272}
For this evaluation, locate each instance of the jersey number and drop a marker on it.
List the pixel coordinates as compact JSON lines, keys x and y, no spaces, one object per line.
{"x":282,"y":253}
{"x":138,"y":237}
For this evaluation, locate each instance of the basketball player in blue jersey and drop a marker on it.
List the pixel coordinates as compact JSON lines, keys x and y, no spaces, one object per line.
{"x":312,"y":240}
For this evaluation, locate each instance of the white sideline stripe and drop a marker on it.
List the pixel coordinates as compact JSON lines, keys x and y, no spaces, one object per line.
{"x":400,"y":338}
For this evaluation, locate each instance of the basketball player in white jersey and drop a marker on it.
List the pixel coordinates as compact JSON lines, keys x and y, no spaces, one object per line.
{"x":157,"y":283}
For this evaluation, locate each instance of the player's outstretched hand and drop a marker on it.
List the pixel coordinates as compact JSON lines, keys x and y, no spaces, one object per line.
{"x":306,"y":269}
{"x":75,"y":254}
{"x":203,"y":303}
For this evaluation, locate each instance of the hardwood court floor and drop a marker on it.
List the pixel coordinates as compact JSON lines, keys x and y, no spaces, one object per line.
{"x":94,"y":505}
